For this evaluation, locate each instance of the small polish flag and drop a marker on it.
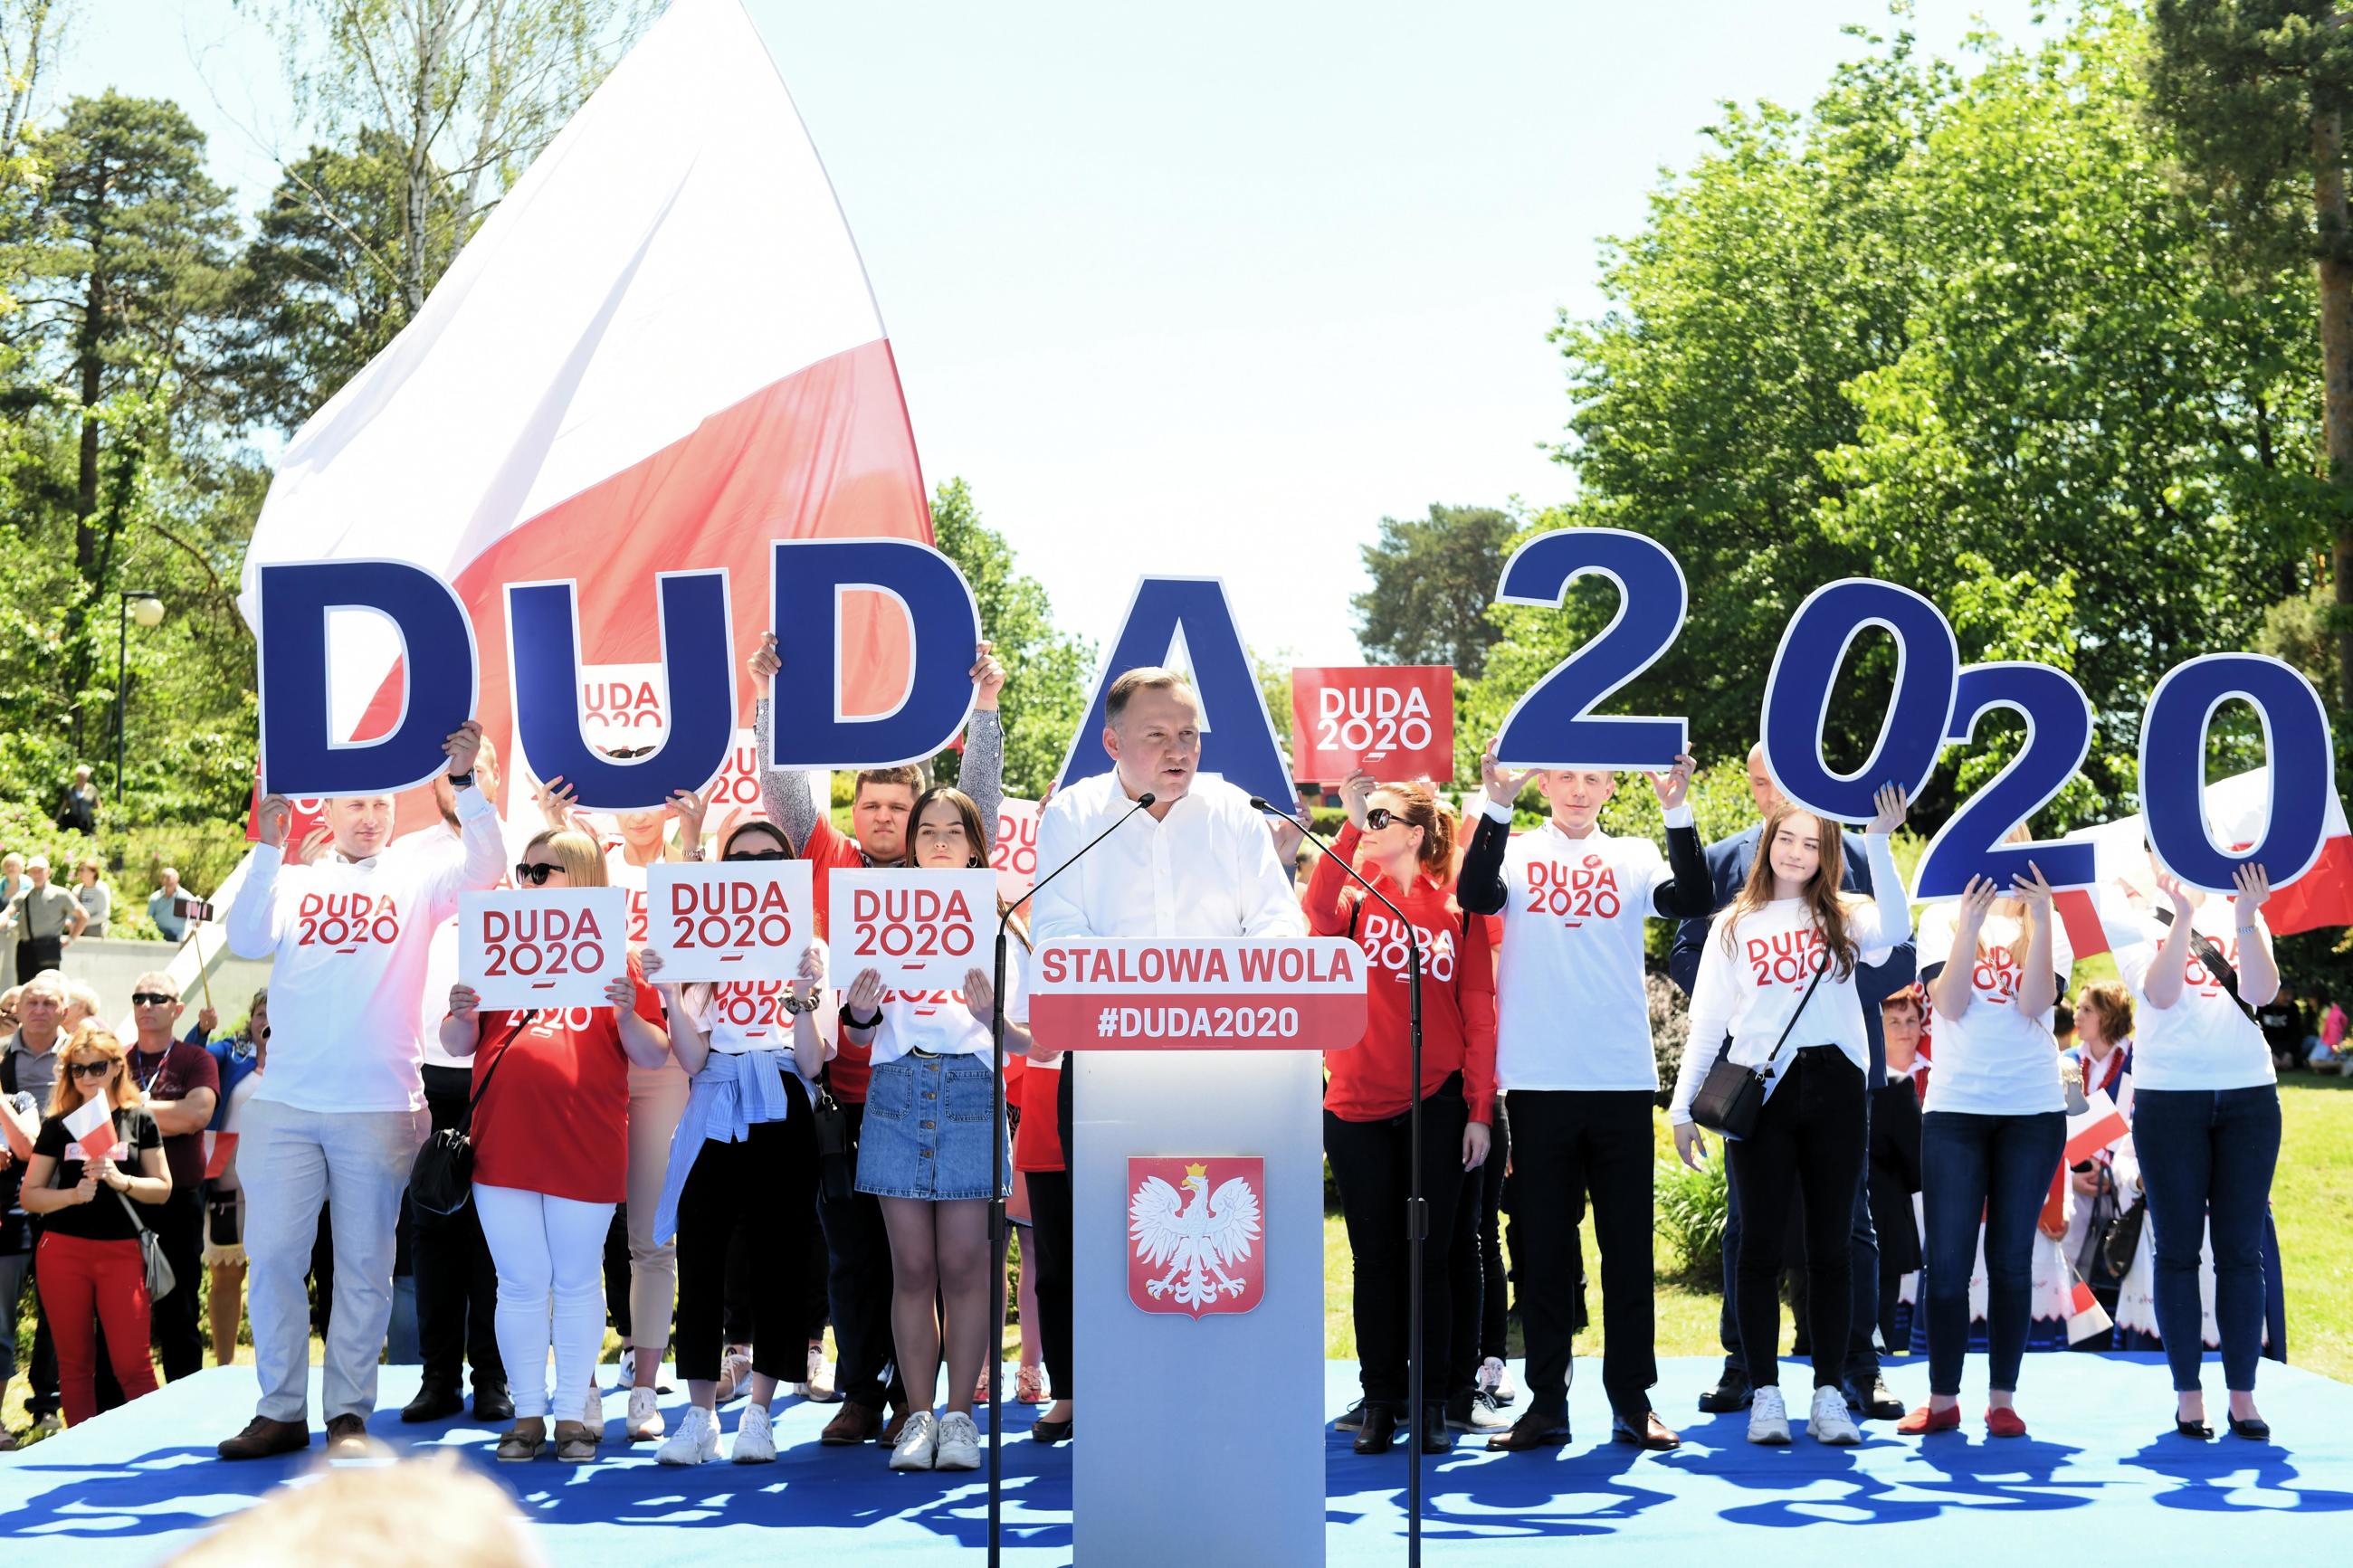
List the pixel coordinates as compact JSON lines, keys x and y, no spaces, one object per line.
{"x":91,"y":1124}
{"x":218,"y":1147}
{"x":18,"y":1129}
{"x":2100,"y":1127}
{"x":2087,"y":1318}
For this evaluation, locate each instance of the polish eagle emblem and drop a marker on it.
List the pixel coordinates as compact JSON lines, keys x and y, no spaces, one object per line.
{"x":1195,"y":1248}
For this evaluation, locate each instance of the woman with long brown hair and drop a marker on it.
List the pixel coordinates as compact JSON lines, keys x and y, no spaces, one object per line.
{"x":89,"y":1265}
{"x":1776,"y":993}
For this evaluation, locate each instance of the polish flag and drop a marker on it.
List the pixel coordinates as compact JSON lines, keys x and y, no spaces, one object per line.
{"x":659,"y":354}
{"x":218,"y":1147}
{"x":2105,"y":917}
{"x":20,"y":1128}
{"x":91,"y":1126}
{"x":2085,"y":1316}
{"x":2098,"y":1128}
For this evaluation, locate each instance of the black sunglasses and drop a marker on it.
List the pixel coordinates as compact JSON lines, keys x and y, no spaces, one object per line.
{"x":151,"y":999}
{"x":755,"y":855}
{"x":628,"y":754}
{"x":1380,"y":816}
{"x":93,"y":1070}
{"x":536,"y":876}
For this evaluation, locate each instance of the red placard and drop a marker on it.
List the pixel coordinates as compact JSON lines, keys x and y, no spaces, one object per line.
{"x":1396,"y":722}
{"x":1147,"y":994}
{"x":309,"y":814}
{"x":1196,"y":1233}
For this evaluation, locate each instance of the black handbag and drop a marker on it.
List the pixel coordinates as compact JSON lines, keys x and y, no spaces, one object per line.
{"x":441,"y":1179}
{"x":2120,"y":1239}
{"x":1731,"y":1097}
{"x":837,"y":1173}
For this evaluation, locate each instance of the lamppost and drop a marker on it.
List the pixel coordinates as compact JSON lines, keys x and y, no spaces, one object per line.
{"x":138,"y":605}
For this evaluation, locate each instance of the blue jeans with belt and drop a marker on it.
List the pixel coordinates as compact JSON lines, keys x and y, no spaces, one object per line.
{"x":2206,"y":1161}
{"x":2001,"y":1167}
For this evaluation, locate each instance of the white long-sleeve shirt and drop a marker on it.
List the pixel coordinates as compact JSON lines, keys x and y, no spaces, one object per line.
{"x":1207,"y":870}
{"x":351,"y":941}
{"x":1751,"y":991}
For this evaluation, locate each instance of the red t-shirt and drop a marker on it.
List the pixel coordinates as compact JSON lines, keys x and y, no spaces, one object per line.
{"x":1038,"y":1143}
{"x":557,"y":1118}
{"x":826,"y":847}
{"x":1457,"y":991}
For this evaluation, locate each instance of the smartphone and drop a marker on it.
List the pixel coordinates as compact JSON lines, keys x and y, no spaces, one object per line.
{"x":192,"y":909}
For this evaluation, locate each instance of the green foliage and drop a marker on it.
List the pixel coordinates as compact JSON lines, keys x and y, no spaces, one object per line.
{"x":1691,"y":1208}
{"x":1432,"y":580}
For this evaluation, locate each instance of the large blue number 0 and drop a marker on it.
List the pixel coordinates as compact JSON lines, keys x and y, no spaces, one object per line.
{"x":2298,"y":752}
{"x":1798,"y":695}
{"x":1551,"y":724}
{"x":2058,"y":737}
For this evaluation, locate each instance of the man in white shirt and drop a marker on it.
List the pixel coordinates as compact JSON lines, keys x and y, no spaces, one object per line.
{"x":341,"y":1113}
{"x":1196,"y":862}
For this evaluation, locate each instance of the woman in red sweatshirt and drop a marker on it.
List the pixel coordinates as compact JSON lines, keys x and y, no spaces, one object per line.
{"x":1402,"y":840}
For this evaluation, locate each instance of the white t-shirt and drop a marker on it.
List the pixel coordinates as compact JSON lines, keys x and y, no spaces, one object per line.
{"x":939,"y":1022}
{"x":2203,"y":1041}
{"x":1752,"y":990}
{"x":1572,"y":1012}
{"x":1993,"y":1061}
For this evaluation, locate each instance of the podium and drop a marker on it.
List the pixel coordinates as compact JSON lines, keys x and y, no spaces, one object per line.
{"x":1197,"y":1178}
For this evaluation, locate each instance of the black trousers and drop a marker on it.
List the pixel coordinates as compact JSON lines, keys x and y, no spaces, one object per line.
{"x":769,"y":1180}
{"x":457,"y":1284}
{"x":858,"y":1291}
{"x":1372,"y":1164}
{"x":177,"y":1320}
{"x":1566,"y":1145}
{"x":1862,"y":1271}
{"x":1494,"y":1286}
{"x":1048,"y":1253}
{"x":1810,"y":1139}
{"x":1466,"y":1278}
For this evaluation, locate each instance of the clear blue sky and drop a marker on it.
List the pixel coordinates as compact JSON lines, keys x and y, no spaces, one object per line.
{"x":1200,"y":290}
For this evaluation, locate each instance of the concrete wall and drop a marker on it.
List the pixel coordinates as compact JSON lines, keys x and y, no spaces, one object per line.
{"x":113,"y":965}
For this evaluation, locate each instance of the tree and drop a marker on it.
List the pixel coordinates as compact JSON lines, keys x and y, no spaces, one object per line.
{"x":2254,"y":93}
{"x":1433,"y":579}
{"x":1046,"y":672}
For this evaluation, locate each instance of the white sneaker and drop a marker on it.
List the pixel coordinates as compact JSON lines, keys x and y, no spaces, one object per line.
{"x":755,"y":1440}
{"x":817,"y":1387}
{"x":696,"y":1441}
{"x":919,"y":1443}
{"x":1830,"y":1422}
{"x":959,"y":1446}
{"x":734,"y":1371}
{"x":1496,"y":1379}
{"x":644,"y":1421}
{"x":1769,"y":1421}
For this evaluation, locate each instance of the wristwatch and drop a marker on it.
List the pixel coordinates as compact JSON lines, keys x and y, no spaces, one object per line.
{"x":462,"y":780}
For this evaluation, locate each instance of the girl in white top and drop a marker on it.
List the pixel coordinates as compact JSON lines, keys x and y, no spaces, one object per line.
{"x":1791,"y":929}
{"x":1995,"y":1123}
{"x":2206,"y":1125}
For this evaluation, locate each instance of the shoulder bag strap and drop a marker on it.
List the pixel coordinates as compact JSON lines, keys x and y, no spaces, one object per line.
{"x":492,"y":1071}
{"x":2210,"y":956}
{"x":1765,"y":1068}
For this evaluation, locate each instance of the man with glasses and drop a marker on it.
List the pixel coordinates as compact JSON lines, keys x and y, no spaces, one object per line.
{"x":341,"y":1113}
{"x":182,"y":1084}
{"x":29,"y":1071}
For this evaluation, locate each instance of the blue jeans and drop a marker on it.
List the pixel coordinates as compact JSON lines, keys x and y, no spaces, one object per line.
{"x":2000,"y":1166}
{"x":2206,"y":1161}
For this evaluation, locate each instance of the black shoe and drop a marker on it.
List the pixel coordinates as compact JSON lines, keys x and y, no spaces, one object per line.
{"x":1871,"y":1401}
{"x":2196,"y":1431}
{"x":435,"y":1401}
{"x":1351,"y":1419}
{"x":1645,"y":1431}
{"x":1731,"y":1393}
{"x":1535,"y":1430}
{"x":1377,"y":1430}
{"x":1435,"y":1438}
{"x":2255,"y":1431}
{"x":492,"y":1403}
{"x":1051,"y":1431}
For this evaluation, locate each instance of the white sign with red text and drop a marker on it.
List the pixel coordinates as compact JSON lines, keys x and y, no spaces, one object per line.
{"x":1015,"y":851}
{"x":729,"y":920}
{"x":1143,"y":994}
{"x":922,"y":929}
{"x":542,"y":948}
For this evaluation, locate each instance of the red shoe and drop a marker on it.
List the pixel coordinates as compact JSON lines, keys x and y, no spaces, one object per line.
{"x":2001,"y":1421}
{"x":1926,"y":1418}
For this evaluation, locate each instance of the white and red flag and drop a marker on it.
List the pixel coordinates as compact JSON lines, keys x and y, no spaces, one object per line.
{"x":2098,"y":1129}
{"x":20,"y":1128}
{"x":659,"y":354}
{"x":90,"y":1125}
{"x":219,"y":1148}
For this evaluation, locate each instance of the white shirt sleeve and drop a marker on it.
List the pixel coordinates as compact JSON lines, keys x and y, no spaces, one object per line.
{"x":1883,"y":924}
{"x":481,"y":858}
{"x":1714,"y":998}
{"x":253,"y":924}
{"x":1058,"y":911}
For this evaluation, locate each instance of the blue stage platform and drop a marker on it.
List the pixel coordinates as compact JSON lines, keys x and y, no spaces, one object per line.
{"x":2101,"y":1480}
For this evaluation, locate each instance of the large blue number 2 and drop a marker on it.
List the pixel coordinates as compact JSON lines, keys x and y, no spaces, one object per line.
{"x":2299,"y":754}
{"x":1798,"y":695}
{"x":1552,"y":725}
{"x":2058,"y":737}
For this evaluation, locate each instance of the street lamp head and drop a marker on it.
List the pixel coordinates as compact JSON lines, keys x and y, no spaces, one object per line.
{"x":147,"y":611}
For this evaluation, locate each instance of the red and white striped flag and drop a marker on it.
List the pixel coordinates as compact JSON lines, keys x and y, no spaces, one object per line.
{"x":218,"y":1148}
{"x":2100,"y":1127}
{"x":658,"y":355}
{"x":91,"y":1126}
{"x":19,"y":1127}
{"x":2086,"y":1316}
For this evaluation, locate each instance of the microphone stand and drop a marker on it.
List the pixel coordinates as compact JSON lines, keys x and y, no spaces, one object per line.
{"x":1417,"y":1222}
{"x":996,"y":1228}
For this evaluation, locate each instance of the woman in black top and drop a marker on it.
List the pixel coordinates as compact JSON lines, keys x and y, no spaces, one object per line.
{"x":89,"y":1264}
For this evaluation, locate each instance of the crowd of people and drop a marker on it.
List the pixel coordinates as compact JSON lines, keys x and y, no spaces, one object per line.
{"x":719,"y":1170}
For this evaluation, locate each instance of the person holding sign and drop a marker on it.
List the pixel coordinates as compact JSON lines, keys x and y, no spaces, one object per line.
{"x":1407,"y":840}
{"x":1574,"y":901}
{"x":1777,"y":994}
{"x":341,"y":1113}
{"x":98,"y":1152}
{"x":1991,"y":1134}
{"x":2206,"y":1125}
{"x":925,"y":1155}
{"x":551,"y":1136}
{"x":857,"y":1241}
{"x":744,"y":1153}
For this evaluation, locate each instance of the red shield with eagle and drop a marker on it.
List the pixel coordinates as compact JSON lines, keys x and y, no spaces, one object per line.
{"x":1196,"y":1233}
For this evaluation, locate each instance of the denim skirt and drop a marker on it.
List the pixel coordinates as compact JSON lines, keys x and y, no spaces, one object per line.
{"x":927,"y":1129}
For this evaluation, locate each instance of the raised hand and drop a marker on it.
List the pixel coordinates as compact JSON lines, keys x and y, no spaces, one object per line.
{"x":1674,"y":785}
{"x":690,"y":807}
{"x":2034,"y":891}
{"x":276,"y":814}
{"x":2255,"y":885}
{"x":463,"y":1001}
{"x":864,"y":997}
{"x":556,"y":801}
{"x":622,"y":992}
{"x":463,"y":743}
{"x":764,"y":662}
{"x":207,"y":1019}
{"x":979,"y":995}
{"x":650,"y":963}
{"x":1355,"y":790}
{"x":2176,"y":893}
{"x":314,"y":844}
{"x":1891,"y":801}
{"x":1503,"y":785}
{"x":1977,"y":898}
{"x":813,"y":963}
{"x":987,"y":676}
